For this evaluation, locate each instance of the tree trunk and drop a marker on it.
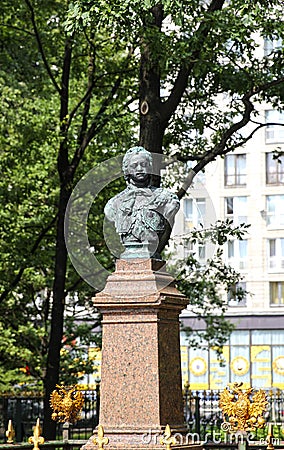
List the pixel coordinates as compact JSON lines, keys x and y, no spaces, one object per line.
{"x":151,"y":127}
{"x":57,"y":316}
{"x":151,"y":132}
{"x":58,"y":301}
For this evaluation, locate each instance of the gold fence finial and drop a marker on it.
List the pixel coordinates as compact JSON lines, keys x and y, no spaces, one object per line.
{"x":10,"y":433}
{"x":36,"y":439}
{"x":269,"y":438}
{"x":100,"y":440}
{"x":168,"y":440}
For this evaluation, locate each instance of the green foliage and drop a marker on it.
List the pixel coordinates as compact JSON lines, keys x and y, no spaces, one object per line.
{"x":208,"y":285}
{"x":30,"y":138}
{"x":218,"y":233}
{"x":71,"y":77}
{"x":219,"y":49}
{"x":17,"y":357}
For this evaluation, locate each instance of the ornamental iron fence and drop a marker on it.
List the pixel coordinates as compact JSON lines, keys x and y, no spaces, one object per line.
{"x":201,"y":412}
{"x":204,"y":416}
{"x":24,"y":410}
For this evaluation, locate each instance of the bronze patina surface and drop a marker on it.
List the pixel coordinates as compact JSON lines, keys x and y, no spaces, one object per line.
{"x":142,"y":213}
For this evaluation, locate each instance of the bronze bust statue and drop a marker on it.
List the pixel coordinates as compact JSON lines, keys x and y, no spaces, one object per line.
{"x":141,"y":213}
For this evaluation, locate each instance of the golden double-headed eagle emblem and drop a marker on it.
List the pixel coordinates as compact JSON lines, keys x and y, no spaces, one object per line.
{"x":242,"y":408}
{"x":67,"y":403}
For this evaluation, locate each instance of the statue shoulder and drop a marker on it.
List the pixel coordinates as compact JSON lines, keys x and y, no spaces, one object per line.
{"x":113,"y":204}
{"x":167,"y":203}
{"x":164,"y":194}
{"x":118,"y":197}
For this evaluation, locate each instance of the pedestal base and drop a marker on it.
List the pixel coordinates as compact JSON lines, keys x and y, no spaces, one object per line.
{"x":141,"y":370}
{"x":150,"y":440}
{"x":185,"y":446}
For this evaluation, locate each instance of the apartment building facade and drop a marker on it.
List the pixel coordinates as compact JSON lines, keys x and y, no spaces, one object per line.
{"x":247,"y":186}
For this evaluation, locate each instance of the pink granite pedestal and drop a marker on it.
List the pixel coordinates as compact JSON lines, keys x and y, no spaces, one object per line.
{"x":141,"y":388}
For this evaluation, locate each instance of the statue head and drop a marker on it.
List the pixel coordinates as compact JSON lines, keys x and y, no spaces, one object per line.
{"x":137,"y":166}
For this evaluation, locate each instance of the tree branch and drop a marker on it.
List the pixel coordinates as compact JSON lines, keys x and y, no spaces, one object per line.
{"x":98,"y":122}
{"x":19,"y":275}
{"x":63,"y":154}
{"x":22,"y":30}
{"x":91,"y":71}
{"x":220,"y":148}
{"x":40,"y":47}
{"x":181,"y":82}
{"x":95,"y":126}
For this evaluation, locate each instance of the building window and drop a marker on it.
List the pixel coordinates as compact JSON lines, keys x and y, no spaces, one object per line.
{"x":277,"y":293}
{"x":270,"y":45}
{"x":276,"y":254}
{"x":237,"y":253}
{"x":274,"y":169}
{"x":197,"y":249}
{"x":274,"y":133}
{"x":194,"y":217}
{"x":235,"y":170}
{"x":236,"y":209}
{"x":275,"y":210}
{"x":194,"y":212}
{"x":237,"y":295}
